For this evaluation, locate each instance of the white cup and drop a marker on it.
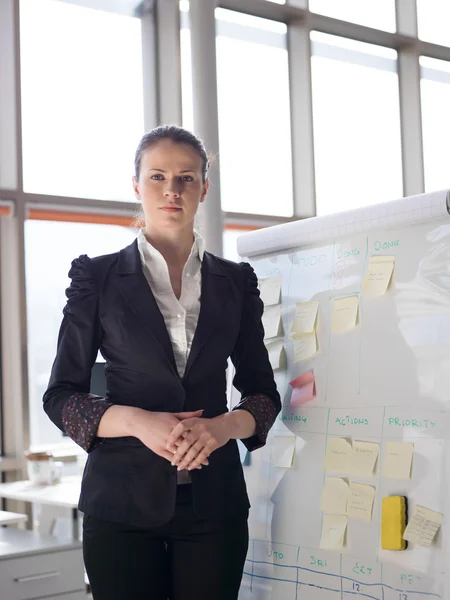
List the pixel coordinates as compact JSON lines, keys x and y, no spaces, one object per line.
{"x":42,"y":469}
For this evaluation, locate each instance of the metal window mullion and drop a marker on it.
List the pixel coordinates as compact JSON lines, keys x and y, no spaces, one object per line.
{"x":300,"y":84}
{"x":411,"y":121}
{"x":206,"y":113}
{"x":168,"y":62}
{"x":406,"y":17}
{"x":149,"y":69}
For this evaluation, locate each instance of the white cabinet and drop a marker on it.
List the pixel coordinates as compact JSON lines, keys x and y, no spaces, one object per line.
{"x":35,"y":566}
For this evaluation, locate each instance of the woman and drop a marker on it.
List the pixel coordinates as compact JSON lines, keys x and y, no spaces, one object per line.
{"x":163,"y":494}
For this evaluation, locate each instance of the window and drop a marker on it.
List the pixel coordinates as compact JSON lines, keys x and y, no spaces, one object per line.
{"x":230,"y":237}
{"x":81,"y":100}
{"x":435,"y":89}
{"x":433,"y":20}
{"x":46,"y":299}
{"x":379,"y":14}
{"x":356,"y":124}
{"x":254,"y":112}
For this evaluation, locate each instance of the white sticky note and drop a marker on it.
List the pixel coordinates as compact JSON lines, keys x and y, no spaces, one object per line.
{"x":334,"y":496}
{"x":271,"y":321}
{"x":378,"y":276}
{"x":305,"y":346}
{"x":305,"y":317}
{"x":275,"y":350}
{"x":333,"y":532}
{"x":283,"y":451}
{"x":360,"y":501}
{"x":423,"y":526}
{"x":398,"y":459}
{"x":345,"y":314}
{"x":270,"y":289}
{"x":364,"y":457}
{"x":338,"y":455}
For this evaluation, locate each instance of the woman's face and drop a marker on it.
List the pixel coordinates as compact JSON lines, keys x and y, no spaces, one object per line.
{"x":170,"y":185}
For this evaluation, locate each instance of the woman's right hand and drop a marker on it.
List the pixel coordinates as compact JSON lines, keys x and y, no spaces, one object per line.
{"x":154,"y":428}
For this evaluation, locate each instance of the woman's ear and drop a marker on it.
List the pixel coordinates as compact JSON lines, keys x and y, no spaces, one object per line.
{"x":136,"y":188}
{"x":205,"y":190}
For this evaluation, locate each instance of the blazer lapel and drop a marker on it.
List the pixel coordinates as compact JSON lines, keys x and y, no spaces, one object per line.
{"x":136,"y":291}
{"x":215,"y":286}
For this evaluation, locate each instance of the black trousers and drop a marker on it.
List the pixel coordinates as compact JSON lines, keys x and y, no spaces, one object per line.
{"x":186,"y":559}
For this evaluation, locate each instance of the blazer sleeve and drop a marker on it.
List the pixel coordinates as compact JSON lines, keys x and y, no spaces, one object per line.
{"x":254,"y":375}
{"x":67,"y":400}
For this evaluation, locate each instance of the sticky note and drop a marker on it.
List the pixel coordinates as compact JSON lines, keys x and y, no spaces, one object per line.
{"x":345,"y":314}
{"x":378,"y":276}
{"x":338,"y":454}
{"x":364,"y":457}
{"x":270,"y":289}
{"x":283,"y":451}
{"x":423,"y":526}
{"x":334,"y":496}
{"x":305,"y":317}
{"x":334,"y":528}
{"x":397,"y":460}
{"x":360,"y":501}
{"x":303,"y":389}
{"x":393,"y":522}
{"x":305,"y":346}
{"x":275,"y":350}
{"x":271,"y":321}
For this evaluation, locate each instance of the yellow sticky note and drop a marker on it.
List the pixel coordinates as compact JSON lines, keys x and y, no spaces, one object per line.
{"x":270,"y":289}
{"x":333,"y":532}
{"x":338,"y":455}
{"x":379,"y":275}
{"x":283,"y":451}
{"x":305,"y":346}
{"x":345,"y":314}
{"x":360,"y":501}
{"x":275,"y":350}
{"x":364,"y":457}
{"x":305,"y":317}
{"x":334,"y":495}
{"x":271,"y":321}
{"x":397,"y":460}
{"x":423,"y":526}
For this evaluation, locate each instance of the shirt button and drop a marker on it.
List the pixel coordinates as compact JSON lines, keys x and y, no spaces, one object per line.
{"x":188,"y":274}
{"x":178,"y":316}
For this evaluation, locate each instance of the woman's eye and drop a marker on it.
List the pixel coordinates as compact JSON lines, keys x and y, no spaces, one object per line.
{"x":187,"y":178}
{"x":157,"y":177}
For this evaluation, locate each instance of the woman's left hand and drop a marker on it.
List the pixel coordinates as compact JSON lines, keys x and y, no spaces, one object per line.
{"x":193,"y":440}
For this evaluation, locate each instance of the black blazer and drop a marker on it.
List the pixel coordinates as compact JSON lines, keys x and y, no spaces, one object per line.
{"x":111,"y":307}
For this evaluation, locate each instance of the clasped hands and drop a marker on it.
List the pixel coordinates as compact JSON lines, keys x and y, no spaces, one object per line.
{"x":185,"y":439}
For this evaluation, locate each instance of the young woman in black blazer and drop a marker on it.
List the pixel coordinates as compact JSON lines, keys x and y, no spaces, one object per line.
{"x":163,"y":494}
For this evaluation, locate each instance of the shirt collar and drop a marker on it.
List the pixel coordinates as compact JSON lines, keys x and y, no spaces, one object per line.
{"x":198,"y":247}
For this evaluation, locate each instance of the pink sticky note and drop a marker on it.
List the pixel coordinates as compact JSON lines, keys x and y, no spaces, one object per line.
{"x":304,"y":389}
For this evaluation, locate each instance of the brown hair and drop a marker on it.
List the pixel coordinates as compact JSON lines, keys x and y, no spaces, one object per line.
{"x":177,"y":135}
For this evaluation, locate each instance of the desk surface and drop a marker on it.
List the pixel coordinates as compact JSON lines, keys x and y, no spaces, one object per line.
{"x":15,"y":542}
{"x":10,"y":518}
{"x":65,"y":493}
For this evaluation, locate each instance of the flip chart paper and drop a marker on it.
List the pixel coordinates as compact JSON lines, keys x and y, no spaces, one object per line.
{"x":283,"y":451}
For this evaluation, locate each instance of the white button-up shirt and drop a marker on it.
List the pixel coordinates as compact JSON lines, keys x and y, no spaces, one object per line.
{"x":180,"y":316}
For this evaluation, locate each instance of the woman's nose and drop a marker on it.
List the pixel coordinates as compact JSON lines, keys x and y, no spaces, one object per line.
{"x":172,"y":190}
